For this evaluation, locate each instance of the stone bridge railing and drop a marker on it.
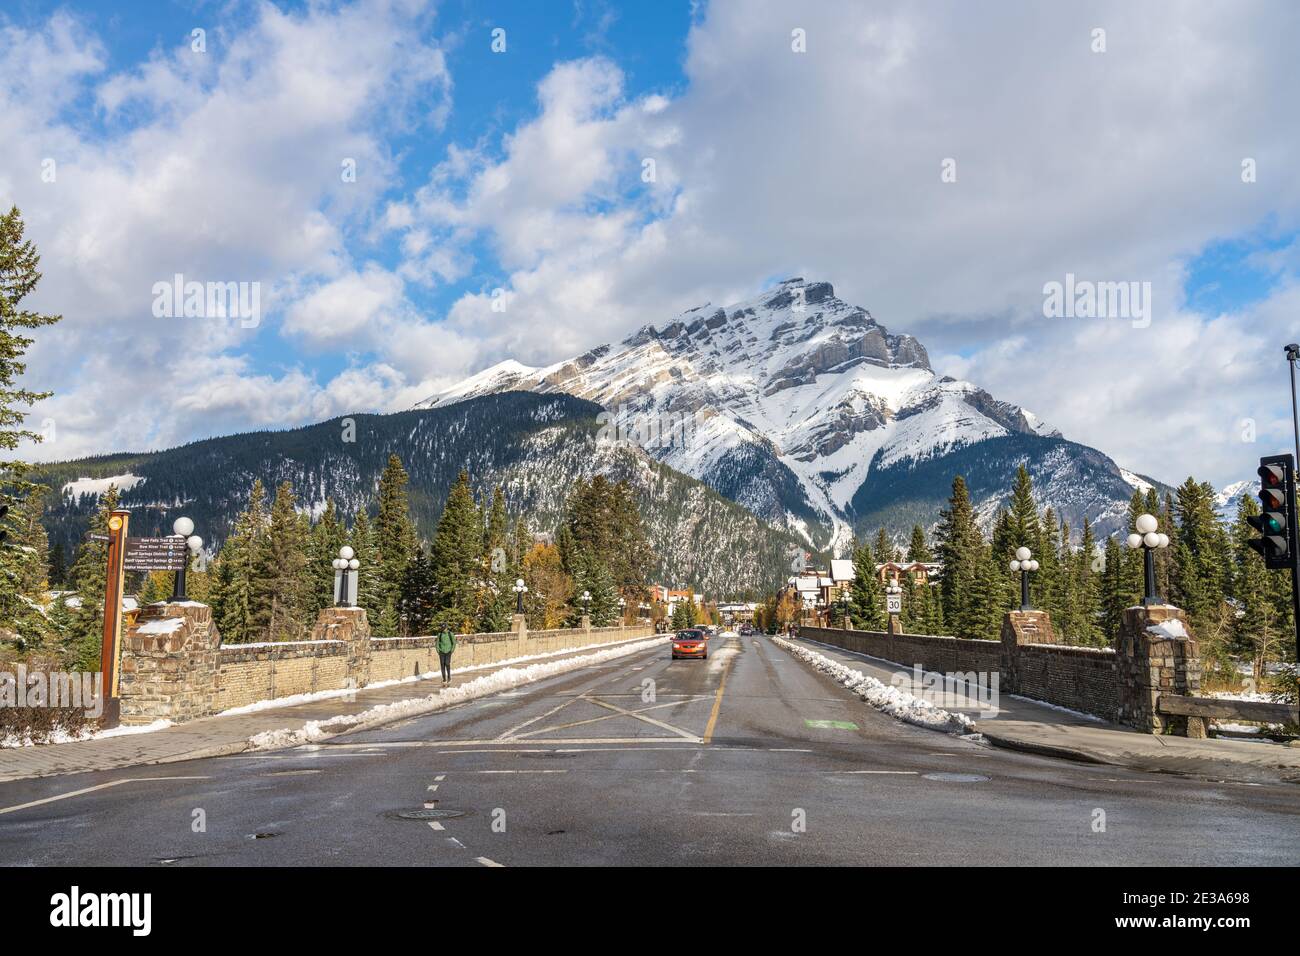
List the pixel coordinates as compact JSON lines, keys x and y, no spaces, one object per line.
{"x":1156,"y":656}
{"x":175,"y":667}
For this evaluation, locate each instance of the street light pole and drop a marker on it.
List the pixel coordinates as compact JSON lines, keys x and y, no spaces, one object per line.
{"x":1150,"y":540}
{"x":184,"y":528}
{"x":1024,"y":562}
{"x":520,"y":588}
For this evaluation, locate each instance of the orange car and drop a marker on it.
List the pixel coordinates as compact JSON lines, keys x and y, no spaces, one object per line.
{"x":692,"y":643}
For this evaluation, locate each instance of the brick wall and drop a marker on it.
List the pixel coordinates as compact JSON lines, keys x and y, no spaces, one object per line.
{"x":252,"y":672}
{"x":1080,"y":678}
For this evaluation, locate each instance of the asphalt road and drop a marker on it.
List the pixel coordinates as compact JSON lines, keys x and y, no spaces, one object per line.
{"x":748,"y":758}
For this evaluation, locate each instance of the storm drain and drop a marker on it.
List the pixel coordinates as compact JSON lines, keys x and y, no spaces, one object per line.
{"x":956,"y":777}
{"x":425,"y":813}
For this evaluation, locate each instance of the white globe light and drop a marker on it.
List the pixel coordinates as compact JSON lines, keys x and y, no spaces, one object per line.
{"x":346,"y":553}
{"x":1015,"y":566}
{"x":1135,"y":541}
{"x":1164,"y":540}
{"x":354,"y":564}
{"x":1151,"y":539}
{"x":1023,"y":554}
{"x":338,"y":564}
{"x":519,"y":583}
{"x":1146,"y":524}
{"x":183,"y":527}
{"x":195,"y":543}
{"x":1033,"y":565}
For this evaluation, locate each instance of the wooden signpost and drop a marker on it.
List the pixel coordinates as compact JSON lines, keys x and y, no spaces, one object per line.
{"x":110,"y":650}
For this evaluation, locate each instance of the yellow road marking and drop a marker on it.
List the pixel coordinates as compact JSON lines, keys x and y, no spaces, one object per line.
{"x":717,"y":706}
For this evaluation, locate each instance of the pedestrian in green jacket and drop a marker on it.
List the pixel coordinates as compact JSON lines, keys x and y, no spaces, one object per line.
{"x":446,"y":644}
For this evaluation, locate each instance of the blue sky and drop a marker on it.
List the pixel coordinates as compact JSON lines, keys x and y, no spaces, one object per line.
{"x":524,"y":172}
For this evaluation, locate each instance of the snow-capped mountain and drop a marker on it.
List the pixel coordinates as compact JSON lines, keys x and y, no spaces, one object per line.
{"x":1227,"y":499}
{"x":813,"y":415}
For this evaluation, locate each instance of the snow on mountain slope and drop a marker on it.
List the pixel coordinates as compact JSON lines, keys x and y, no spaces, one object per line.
{"x":791,"y":401}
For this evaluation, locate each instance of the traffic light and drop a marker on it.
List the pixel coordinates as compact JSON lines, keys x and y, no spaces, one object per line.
{"x":4,"y":510}
{"x":1276,"y":522}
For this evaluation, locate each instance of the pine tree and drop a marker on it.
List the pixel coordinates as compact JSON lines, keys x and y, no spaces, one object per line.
{"x":457,"y":559}
{"x":22,"y":584}
{"x":595,"y":579}
{"x":499,"y":568}
{"x":1087,"y":589}
{"x":415,"y":603}
{"x":372,"y":592}
{"x":958,"y":545}
{"x":24,"y":566}
{"x":281,"y":592}
{"x":237,"y":579}
{"x":917,"y":548}
{"x":327,"y":537}
{"x":394,"y":533}
{"x":866,"y":606}
{"x":1023,"y":511}
{"x":885,"y":551}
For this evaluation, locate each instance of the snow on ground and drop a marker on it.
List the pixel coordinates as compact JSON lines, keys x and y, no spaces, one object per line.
{"x":98,"y":486}
{"x":484,"y":686}
{"x":63,"y":737}
{"x":890,"y":700}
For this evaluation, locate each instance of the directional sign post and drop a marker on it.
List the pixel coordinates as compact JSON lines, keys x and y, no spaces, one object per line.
{"x":155,"y":554}
{"x":110,"y":649}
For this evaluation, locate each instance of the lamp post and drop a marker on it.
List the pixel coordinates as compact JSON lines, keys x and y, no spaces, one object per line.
{"x":520,"y":590}
{"x":844,"y":609}
{"x":1149,"y":540}
{"x":1024,"y":562}
{"x":184,"y":528}
{"x":345,"y":562}
{"x":622,"y":610}
{"x":586,"y":602}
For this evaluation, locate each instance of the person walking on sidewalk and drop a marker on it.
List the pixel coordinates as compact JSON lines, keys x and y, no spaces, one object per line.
{"x":446,"y":645}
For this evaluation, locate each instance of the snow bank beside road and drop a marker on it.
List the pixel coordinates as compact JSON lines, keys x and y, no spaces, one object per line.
{"x":890,"y":700}
{"x":484,"y":686}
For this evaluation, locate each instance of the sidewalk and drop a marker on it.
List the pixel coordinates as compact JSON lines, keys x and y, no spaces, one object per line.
{"x":1035,"y":727}
{"x":221,"y":735}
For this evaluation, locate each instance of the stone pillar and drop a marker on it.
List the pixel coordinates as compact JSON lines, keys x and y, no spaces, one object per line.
{"x":519,"y":624}
{"x":350,"y":625}
{"x":1018,"y":628}
{"x":1157,"y":654}
{"x":585,"y":623}
{"x":170,"y":664}
{"x":895,"y":624}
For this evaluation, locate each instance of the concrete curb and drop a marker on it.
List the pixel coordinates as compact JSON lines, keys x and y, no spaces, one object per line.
{"x":1044,"y":750}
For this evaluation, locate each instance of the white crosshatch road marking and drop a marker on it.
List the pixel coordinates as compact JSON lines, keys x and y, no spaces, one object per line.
{"x":518,"y":734}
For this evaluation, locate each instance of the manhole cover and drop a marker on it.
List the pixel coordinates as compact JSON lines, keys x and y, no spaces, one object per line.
{"x":423,"y":813}
{"x":956,"y":777}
